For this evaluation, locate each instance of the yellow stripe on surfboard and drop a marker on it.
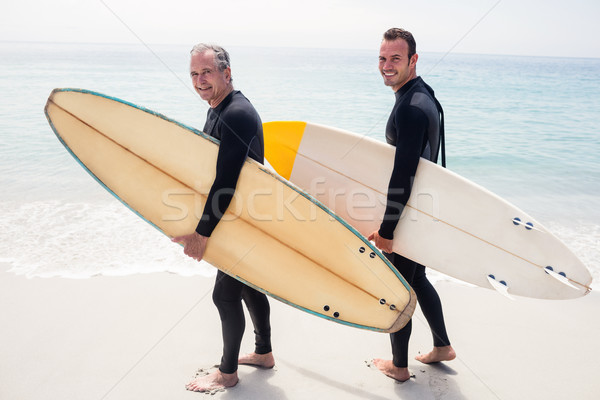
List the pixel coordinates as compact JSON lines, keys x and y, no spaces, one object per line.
{"x":282,"y":139}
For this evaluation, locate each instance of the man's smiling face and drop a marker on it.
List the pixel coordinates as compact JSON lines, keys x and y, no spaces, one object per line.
{"x":394,"y":64}
{"x":211,"y":84}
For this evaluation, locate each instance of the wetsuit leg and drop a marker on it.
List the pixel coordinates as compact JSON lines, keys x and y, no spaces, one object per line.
{"x":227,"y":296}
{"x":259,"y":309}
{"x":400,"y":338}
{"x":431,"y":306}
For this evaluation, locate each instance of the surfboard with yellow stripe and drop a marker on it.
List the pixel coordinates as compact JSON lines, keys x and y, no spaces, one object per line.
{"x":450,"y":224}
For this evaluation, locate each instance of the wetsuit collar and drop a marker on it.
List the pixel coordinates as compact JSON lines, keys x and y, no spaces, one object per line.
{"x":407,"y":86}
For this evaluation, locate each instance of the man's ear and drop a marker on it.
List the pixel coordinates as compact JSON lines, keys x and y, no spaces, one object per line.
{"x":413,"y":60}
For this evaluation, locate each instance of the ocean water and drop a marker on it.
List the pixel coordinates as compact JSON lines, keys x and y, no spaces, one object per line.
{"x":525,"y":128}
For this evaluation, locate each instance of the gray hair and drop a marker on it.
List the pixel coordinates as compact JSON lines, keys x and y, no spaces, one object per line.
{"x":221,"y":55}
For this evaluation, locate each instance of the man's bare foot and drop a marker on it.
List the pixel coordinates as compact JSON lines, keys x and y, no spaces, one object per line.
{"x":258,"y":360}
{"x":445,"y":353}
{"x":212,"y":382}
{"x":388,"y":368}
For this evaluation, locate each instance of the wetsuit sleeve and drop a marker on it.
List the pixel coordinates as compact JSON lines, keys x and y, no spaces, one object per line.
{"x":238,"y":130}
{"x":412,"y":125}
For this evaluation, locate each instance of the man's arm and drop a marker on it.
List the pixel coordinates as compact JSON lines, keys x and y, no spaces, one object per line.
{"x":236,"y":135}
{"x":412,"y":125}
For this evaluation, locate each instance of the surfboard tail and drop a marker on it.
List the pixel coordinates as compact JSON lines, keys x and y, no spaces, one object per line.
{"x":406,"y":314}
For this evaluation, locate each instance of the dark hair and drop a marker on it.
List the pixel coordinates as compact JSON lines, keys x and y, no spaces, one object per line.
{"x":399,"y":33}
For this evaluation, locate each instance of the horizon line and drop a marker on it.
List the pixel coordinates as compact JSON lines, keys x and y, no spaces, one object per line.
{"x":136,"y":43}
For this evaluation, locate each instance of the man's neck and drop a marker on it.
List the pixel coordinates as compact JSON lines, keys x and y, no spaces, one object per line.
{"x":215,"y":103}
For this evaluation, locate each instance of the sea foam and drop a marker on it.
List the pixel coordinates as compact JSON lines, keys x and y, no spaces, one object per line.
{"x":81,"y":240}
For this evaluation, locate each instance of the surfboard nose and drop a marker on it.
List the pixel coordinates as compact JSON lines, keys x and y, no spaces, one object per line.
{"x":282,"y":139}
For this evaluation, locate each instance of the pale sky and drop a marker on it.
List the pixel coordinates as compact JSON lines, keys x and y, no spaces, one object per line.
{"x":519,"y":27}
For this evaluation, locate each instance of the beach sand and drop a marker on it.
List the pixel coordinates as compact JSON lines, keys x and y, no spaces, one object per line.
{"x":144,"y":336}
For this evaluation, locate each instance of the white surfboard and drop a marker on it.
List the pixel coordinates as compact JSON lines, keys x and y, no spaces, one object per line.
{"x":450,"y":224}
{"x":273,"y":237}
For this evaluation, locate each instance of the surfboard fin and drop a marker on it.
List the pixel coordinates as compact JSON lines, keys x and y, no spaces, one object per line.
{"x":528,"y":225}
{"x":500,"y":286}
{"x":561,"y":278}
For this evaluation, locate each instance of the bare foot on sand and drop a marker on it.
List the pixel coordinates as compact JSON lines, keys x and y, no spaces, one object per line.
{"x":388,"y":368}
{"x":212,"y":382}
{"x":258,"y":360}
{"x":445,"y":353}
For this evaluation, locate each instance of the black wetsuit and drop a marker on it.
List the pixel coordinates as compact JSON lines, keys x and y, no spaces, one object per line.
{"x":237,"y":125}
{"x":414,"y":128}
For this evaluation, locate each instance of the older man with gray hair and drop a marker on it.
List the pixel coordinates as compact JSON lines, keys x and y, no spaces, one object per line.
{"x":233,"y":120}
